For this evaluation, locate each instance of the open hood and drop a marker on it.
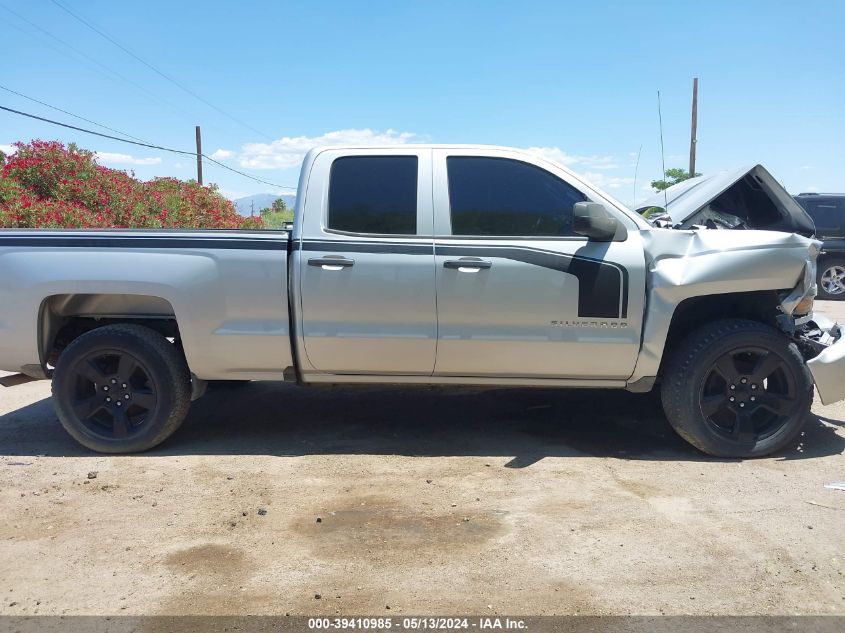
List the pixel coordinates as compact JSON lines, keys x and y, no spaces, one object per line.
{"x":746,"y":198}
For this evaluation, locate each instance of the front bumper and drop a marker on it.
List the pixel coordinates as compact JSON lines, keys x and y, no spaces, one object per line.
{"x":828,"y":368}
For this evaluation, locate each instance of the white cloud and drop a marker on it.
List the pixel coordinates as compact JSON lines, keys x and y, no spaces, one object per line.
{"x":222,"y":154}
{"x":288,"y":152}
{"x":608,"y":182}
{"x":586,"y":166}
{"x":810,"y":189}
{"x":8,"y":150}
{"x":110,"y":158}
{"x":178,"y":165}
{"x":557,"y":155}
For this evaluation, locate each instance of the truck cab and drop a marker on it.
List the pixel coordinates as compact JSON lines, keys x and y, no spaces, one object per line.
{"x":460,"y":264}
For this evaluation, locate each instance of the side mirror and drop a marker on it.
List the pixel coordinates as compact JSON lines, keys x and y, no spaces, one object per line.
{"x":593,"y":220}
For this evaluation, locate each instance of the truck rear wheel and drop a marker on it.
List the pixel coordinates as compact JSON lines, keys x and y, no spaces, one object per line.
{"x":737,"y":388}
{"x":121,"y":389}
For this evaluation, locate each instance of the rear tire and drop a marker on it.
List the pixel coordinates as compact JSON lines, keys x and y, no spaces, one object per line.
{"x":737,"y":388}
{"x":831,"y":279}
{"x":121,"y":389}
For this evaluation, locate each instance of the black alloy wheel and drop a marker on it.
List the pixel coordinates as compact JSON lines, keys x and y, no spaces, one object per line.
{"x":736,"y":388}
{"x":748,"y":394}
{"x":113,"y":395}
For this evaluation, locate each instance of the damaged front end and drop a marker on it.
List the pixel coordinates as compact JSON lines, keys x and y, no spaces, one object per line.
{"x":822,"y":344}
{"x":710,"y":210}
{"x":820,"y":340}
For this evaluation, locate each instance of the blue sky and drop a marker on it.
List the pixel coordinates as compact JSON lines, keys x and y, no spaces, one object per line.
{"x":578,"y":79}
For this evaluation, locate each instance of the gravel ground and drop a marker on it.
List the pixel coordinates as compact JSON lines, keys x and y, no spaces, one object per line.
{"x":275,"y":499}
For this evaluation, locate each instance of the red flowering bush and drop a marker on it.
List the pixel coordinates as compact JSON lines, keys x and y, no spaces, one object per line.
{"x":47,"y":185}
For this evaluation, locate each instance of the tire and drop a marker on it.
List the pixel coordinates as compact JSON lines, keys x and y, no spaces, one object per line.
{"x":121,"y":389}
{"x":831,"y":279}
{"x":757,"y":366}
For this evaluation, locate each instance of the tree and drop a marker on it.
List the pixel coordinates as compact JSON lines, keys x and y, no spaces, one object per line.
{"x":276,"y":215}
{"x":673,"y":177}
{"x":44,"y":184}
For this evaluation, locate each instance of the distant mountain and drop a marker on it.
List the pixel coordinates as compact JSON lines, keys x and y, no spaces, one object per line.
{"x":261,"y":201}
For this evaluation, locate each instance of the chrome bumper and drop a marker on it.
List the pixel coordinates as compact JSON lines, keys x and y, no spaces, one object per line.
{"x":828,"y":368}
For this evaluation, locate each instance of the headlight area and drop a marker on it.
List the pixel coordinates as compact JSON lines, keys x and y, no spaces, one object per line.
{"x":804,"y":307}
{"x":796,"y":306}
{"x":813,"y":333}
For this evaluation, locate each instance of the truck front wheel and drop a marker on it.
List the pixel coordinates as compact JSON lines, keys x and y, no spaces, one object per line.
{"x":121,"y":389}
{"x":737,"y":388}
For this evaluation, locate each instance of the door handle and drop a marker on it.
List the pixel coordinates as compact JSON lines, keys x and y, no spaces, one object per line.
{"x":331,"y":263}
{"x":468,"y":265}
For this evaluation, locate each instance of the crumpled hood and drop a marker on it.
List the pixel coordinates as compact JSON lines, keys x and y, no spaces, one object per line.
{"x":745,"y":198}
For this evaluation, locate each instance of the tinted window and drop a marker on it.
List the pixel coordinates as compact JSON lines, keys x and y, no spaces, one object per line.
{"x":374,"y":194}
{"x":827,"y":213}
{"x":498,"y":196}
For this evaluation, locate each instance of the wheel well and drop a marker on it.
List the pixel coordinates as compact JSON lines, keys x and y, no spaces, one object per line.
{"x":64,"y":318}
{"x":695,"y":312}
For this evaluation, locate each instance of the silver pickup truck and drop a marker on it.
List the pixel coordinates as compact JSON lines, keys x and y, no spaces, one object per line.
{"x":450,"y":265}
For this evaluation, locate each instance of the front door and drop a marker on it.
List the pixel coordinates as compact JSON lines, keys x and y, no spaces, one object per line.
{"x":366,"y":271}
{"x":519,"y":294}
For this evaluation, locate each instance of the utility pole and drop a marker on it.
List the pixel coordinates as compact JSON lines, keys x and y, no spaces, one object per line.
{"x":199,"y":156}
{"x":252,"y":208}
{"x":693,"y":140}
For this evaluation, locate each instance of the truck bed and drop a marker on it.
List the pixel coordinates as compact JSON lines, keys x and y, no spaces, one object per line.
{"x":227,"y":289}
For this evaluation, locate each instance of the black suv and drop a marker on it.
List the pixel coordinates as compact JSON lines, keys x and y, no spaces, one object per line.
{"x":828,"y":212}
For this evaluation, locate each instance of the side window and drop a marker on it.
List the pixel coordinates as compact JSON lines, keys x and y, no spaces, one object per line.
{"x":374,"y":194}
{"x":499,"y":196}
{"x":827,"y":213}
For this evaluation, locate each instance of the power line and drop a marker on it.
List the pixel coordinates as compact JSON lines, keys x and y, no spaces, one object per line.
{"x":155,"y":69}
{"x":95,"y":61}
{"x":150,"y":145}
{"x":76,"y":116}
{"x":35,"y":37}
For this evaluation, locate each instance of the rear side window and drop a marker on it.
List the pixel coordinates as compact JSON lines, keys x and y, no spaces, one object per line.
{"x":374,"y":194}
{"x":499,"y":196}
{"x":827,"y":213}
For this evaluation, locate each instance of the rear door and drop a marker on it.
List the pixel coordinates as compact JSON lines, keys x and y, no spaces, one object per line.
{"x":367,"y":264}
{"x":519,"y":294}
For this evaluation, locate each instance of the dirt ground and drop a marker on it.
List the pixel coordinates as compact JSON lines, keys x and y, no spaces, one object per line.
{"x":275,"y":499}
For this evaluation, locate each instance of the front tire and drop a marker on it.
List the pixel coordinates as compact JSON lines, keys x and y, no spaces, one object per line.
{"x":737,"y":388}
{"x":831,"y":279}
{"x":121,"y":389}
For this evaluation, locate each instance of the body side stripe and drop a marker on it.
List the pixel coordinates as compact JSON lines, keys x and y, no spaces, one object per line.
{"x":89,"y":241}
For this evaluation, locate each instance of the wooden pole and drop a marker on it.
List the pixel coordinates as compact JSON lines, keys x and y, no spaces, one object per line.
{"x":693,"y":140}
{"x":199,"y":156}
